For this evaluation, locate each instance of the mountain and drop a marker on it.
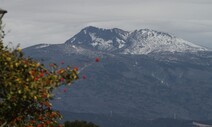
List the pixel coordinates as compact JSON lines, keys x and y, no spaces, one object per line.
{"x":143,"y":41}
{"x":142,"y":75}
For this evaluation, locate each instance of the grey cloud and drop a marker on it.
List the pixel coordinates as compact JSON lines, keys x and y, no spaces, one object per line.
{"x":53,"y":21}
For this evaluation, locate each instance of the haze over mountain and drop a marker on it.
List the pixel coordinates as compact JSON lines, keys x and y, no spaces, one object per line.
{"x":143,"y":74}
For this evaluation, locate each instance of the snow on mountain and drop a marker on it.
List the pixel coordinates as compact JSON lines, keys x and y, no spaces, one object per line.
{"x":142,"y":41}
{"x":41,"y":46}
{"x":138,"y":86}
{"x":146,"y":41}
{"x":101,"y":39}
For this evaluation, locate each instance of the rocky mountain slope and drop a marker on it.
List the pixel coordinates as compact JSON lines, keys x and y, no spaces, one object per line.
{"x":143,"y":41}
{"x":142,"y":74}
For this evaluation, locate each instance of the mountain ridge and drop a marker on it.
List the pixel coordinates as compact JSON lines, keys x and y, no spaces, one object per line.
{"x":140,"y":86}
{"x":143,"y":41}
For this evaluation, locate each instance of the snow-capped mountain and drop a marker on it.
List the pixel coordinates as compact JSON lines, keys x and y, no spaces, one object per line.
{"x":143,"y":41}
{"x":156,"y":85}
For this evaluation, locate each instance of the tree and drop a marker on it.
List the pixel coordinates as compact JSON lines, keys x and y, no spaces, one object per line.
{"x":77,"y":123}
{"x":26,"y":88}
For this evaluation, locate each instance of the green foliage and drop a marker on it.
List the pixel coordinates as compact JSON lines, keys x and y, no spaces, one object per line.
{"x":26,"y":88}
{"x":79,"y":124}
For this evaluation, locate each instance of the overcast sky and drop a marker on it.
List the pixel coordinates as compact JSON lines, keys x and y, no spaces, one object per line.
{"x":30,"y":22}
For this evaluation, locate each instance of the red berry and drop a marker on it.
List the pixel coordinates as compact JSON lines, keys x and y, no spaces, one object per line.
{"x":51,"y":65}
{"x":62,"y":79}
{"x":84,"y":77}
{"x":36,"y":78}
{"x":97,"y":59}
{"x":41,"y":74}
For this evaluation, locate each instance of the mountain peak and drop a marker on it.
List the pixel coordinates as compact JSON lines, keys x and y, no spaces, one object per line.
{"x":99,"y":38}
{"x":141,"y":41}
{"x":91,"y":28}
{"x":95,"y":29}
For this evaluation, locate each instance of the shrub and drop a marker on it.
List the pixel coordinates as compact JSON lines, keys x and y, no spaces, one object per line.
{"x":26,"y":88}
{"x":79,"y":124}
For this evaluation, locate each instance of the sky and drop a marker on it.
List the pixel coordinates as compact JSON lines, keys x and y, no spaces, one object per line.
{"x":30,"y":22}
